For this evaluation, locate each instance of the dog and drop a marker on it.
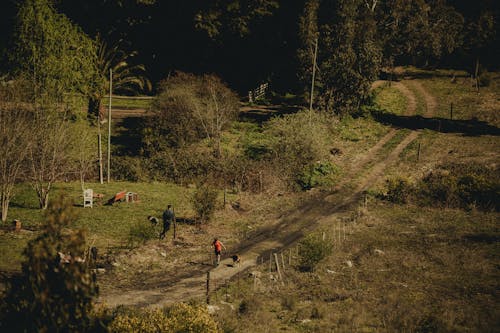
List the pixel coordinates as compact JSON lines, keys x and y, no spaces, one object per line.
{"x":236,"y":260}
{"x":153,"y":220}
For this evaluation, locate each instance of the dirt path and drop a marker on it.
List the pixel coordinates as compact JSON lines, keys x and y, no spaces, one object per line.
{"x":289,"y":229}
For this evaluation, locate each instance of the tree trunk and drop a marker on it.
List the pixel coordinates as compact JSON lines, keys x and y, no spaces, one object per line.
{"x":476,"y":73}
{"x":5,"y":209}
{"x":43,"y":198}
{"x":94,"y":109}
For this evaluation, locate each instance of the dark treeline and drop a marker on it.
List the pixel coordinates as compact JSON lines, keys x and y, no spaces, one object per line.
{"x":248,"y":42}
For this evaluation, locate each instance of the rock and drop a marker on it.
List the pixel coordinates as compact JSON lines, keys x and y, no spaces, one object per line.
{"x":163,"y":254}
{"x":379,"y":252}
{"x":348,"y":263}
{"x":330,"y":271}
{"x":305,"y":321}
{"x":101,"y":270}
{"x":116,"y":264}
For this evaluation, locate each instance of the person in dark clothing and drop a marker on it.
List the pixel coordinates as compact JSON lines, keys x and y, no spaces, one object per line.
{"x":168,"y":217}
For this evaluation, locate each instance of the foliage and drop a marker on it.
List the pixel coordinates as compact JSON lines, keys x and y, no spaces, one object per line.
{"x":234,"y":15}
{"x":318,"y":174}
{"x":140,"y":232}
{"x":128,"y":168}
{"x":313,"y":249}
{"x":55,"y":56}
{"x":452,"y":185}
{"x":399,"y":190}
{"x":51,"y":295}
{"x":187,"y":109}
{"x":204,"y":202}
{"x":15,"y":134}
{"x":49,"y":156}
{"x":126,"y":77}
{"x":418,"y":29}
{"x":178,"y":318}
{"x":298,"y":141}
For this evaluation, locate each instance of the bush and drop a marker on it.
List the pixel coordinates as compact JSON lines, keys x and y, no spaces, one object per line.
{"x":453,"y":185}
{"x":313,"y":249}
{"x":187,"y":109}
{"x":399,"y":190}
{"x":141,"y":232}
{"x":127,"y":168}
{"x":297,"y":141}
{"x":318,"y":174}
{"x":51,"y":295}
{"x":204,"y":202}
{"x":178,"y":318}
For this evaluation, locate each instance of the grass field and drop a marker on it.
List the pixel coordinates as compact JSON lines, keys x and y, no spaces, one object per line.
{"x":124,"y":102}
{"x":399,"y":268}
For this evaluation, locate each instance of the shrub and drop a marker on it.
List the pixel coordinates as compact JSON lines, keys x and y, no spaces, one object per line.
{"x":399,"y":190}
{"x":204,"y":202}
{"x":318,"y":174}
{"x":298,"y":141}
{"x":452,"y":185}
{"x":127,"y":168}
{"x":178,"y":318}
{"x":189,"y":108}
{"x":51,"y":295}
{"x":141,"y":232}
{"x":313,"y":249}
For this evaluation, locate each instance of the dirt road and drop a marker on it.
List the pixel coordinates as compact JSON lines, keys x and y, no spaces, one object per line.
{"x":318,"y":210}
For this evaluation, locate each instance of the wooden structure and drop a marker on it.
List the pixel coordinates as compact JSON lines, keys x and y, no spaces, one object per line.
{"x":131,"y":197}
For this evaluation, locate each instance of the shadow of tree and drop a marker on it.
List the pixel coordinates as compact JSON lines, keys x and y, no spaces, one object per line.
{"x":471,"y":127}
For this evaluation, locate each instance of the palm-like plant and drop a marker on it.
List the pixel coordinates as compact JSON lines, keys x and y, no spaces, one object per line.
{"x":127,"y":78}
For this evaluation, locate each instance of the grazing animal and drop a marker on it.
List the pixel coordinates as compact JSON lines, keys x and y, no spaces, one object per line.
{"x":236,"y":259}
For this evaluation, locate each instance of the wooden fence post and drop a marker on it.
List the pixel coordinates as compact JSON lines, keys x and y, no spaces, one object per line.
{"x":278,"y":268}
{"x":282,"y":261}
{"x":208,"y":287}
{"x":418,"y":152}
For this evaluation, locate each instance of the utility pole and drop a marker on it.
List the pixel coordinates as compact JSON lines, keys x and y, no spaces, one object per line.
{"x":109,"y":123}
{"x":312,"y":81}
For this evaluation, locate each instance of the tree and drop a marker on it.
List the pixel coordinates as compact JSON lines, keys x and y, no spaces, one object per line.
{"x":127,"y":78}
{"x":189,"y":108}
{"x":55,"y":56}
{"x":15,"y":135}
{"x":55,"y":289}
{"x":417,"y":29}
{"x":348,"y":55}
{"x":49,"y":154}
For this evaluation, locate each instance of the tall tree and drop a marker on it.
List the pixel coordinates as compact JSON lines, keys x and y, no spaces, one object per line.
{"x":55,"y":56}
{"x":348,"y":55}
{"x":58,"y":62}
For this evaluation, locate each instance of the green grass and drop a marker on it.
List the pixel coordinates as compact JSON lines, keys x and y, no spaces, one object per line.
{"x":127,"y":103}
{"x":106,"y":226}
{"x":389,"y":99}
{"x":413,"y":270}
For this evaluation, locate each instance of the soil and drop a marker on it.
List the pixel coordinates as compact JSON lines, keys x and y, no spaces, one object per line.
{"x":185,"y":278}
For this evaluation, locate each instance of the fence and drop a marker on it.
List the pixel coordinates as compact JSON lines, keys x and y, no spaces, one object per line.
{"x":258,"y":93}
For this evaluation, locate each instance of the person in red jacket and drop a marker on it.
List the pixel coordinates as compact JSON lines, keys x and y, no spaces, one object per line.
{"x":218,"y":246}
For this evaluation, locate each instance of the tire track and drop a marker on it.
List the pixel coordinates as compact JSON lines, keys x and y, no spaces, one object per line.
{"x":286,"y":232}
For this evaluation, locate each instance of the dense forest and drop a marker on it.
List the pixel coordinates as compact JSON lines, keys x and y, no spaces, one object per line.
{"x":249,"y":42}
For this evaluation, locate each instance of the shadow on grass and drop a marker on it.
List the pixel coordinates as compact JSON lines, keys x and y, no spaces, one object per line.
{"x":471,"y":127}
{"x":262,"y":113}
{"x":127,"y":136}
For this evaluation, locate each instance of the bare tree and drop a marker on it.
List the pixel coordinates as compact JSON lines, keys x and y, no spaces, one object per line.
{"x":48,"y":156}
{"x":15,"y":134}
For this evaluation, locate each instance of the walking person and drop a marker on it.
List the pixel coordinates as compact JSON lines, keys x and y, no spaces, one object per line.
{"x":168,"y":217}
{"x":218,"y":246}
